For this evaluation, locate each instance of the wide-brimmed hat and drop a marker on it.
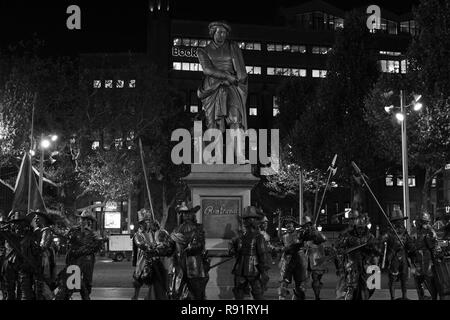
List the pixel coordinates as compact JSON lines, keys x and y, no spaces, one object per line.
{"x":397,"y":215}
{"x":307,"y":219}
{"x":187,"y":208}
{"x":252,"y":212}
{"x":362,"y":220}
{"x":219,"y":24}
{"x":287,"y":219}
{"x":88,"y":214}
{"x":144,"y":215}
{"x":41,"y":214}
{"x":425,"y":217}
{"x":17,"y":217}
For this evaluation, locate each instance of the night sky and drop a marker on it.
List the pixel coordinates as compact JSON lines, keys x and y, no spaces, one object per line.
{"x":109,"y":26}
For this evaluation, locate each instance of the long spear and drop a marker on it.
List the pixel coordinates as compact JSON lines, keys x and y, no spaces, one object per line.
{"x":332,"y":171}
{"x":146,"y":179}
{"x":358,"y":171}
{"x":30,"y":169}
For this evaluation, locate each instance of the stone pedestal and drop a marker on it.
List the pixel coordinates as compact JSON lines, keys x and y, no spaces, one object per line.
{"x":222,"y":192}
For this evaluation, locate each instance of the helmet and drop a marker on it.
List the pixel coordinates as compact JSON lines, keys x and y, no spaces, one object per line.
{"x":252,"y":212}
{"x":87,"y":214}
{"x":425,"y":217}
{"x":307,"y":219}
{"x":289,"y":219}
{"x":397,"y":215}
{"x":143,"y":215}
{"x":187,"y":208}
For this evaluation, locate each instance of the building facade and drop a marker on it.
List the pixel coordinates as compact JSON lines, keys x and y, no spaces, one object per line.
{"x":298,"y":47}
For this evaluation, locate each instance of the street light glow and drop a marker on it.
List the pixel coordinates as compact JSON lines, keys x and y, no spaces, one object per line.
{"x":54,"y":137}
{"x":45,"y":144}
{"x":418,"y":106}
{"x":388,"y":108}
{"x":33,"y":153}
{"x":400,"y":116}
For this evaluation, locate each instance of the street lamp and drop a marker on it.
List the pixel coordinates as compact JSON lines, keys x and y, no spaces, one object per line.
{"x":46,"y":142}
{"x":401,"y":116}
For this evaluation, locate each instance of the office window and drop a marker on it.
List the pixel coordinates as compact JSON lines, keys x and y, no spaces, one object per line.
{"x":392,"y":27}
{"x":194,"y":109}
{"x":202,"y":43}
{"x":390,"y":66}
{"x":390,"y":53}
{"x":194,"y":42}
{"x":253,"y":69}
{"x":289,"y":72}
{"x":403,"y":66}
{"x":177,"y":65}
{"x":287,"y":47}
{"x":411,"y":181}
{"x":187,"y":66}
{"x":253,"y":111}
{"x":186,"y":42}
{"x":270,"y":47}
{"x":320,"y":50}
{"x":275,"y":106}
{"x":249,"y":45}
{"x":404,"y":27}
{"x":278,"y":47}
{"x":177,"y":41}
{"x":389,"y":181}
{"x":319,"y":73}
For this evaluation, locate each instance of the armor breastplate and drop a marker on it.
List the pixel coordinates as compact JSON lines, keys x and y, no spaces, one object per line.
{"x":290,"y":238}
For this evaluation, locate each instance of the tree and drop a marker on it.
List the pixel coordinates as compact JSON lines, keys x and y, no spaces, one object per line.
{"x":329,"y":117}
{"x":117,"y":118}
{"x":428,"y":74}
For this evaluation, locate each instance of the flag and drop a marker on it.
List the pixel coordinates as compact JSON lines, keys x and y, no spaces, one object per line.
{"x":20,"y":202}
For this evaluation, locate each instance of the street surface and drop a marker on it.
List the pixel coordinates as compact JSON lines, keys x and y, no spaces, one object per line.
{"x":113,"y":280}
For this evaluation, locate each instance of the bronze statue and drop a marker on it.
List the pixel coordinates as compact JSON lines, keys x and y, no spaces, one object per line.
{"x":224,"y":88}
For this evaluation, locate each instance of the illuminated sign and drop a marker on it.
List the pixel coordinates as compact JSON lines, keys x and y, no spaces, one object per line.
{"x":112,"y":220}
{"x":184,"y":52}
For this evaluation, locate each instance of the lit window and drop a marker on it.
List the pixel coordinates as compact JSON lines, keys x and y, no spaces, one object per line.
{"x":120,"y":84}
{"x":253,"y":70}
{"x":249,"y":46}
{"x":185,"y":66}
{"x":319,"y":73}
{"x":177,"y":66}
{"x":412,"y":181}
{"x":186,"y":42}
{"x":270,"y":71}
{"x":389,"y":180}
{"x":202,"y":43}
{"x":253,"y":111}
{"x":270,"y":47}
{"x":434,"y":183}
{"x":286,"y":47}
{"x":257,"y":46}
{"x":400,"y":181}
{"x":278,"y":47}
{"x":403,"y":66}
{"x":132,"y":84}
{"x":108,"y":84}
{"x":276,"y":112}
{"x":95,"y":145}
{"x":391,"y":53}
{"x":97,"y":84}
{"x":177,"y":42}
{"x":194,"y":109}
{"x":193,"y":66}
{"x":194,"y":42}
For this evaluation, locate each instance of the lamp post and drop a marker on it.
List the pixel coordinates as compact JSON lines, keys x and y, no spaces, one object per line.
{"x":405,"y":162}
{"x":401,"y":117}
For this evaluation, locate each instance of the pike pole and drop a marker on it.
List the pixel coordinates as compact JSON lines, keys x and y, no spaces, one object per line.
{"x":146,"y":178}
{"x":358,"y":171}
{"x":332,"y":172}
